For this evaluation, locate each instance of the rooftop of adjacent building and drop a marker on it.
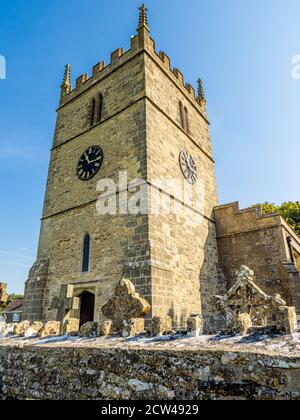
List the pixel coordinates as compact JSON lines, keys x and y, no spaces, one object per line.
{"x":232,"y":220}
{"x":15,"y":305}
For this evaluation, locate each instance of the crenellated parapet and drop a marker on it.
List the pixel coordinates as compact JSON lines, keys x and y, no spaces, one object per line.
{"x":141,"y":43}
{"x":98,"y":68}
{"x":81,"y":80}
{"x":233,"y":220}
{"x":117,"y":54}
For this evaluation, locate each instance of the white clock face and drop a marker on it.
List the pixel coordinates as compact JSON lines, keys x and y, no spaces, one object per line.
{"x":188,"y":167}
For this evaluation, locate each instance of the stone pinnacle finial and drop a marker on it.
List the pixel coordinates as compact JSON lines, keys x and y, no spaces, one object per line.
{"x":143,"y":19}
{"x":201,"y":93}
{"x":67,"y":76}
{"x":66,"y":86}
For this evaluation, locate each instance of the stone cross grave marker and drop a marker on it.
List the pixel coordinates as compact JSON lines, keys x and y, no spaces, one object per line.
{"x":125,"y":305}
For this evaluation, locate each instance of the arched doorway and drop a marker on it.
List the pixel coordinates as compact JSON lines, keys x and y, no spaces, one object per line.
{"x":87,"y":307}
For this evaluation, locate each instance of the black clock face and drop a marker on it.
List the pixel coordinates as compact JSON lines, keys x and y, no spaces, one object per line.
{"x":90,"y":163}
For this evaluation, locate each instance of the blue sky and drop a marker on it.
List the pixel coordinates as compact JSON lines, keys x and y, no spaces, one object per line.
{"x":242,"y":50}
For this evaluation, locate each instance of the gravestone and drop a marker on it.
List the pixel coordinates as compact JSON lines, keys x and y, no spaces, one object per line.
{"x":51,"y":329}
{"x":65,"y":303}
{"x":90,"y":329}
{"x":133,"y":327}
{"x":106,"y":328}
{"x":194,"y":326}
{"x":34,"y":329}
{"x":21,"y":328}
{"x":71,"y":326}
{"x":161,"y":325}
{"x":248,"y":307}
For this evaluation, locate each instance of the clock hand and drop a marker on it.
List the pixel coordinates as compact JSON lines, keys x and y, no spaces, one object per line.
{"x":93,"y":161}
{"x":87,"y":158}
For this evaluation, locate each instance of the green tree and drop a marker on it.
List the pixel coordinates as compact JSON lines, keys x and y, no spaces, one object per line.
{"x":289,"y":210}
{"x":269,"y":208}
{"x":13,"y":297}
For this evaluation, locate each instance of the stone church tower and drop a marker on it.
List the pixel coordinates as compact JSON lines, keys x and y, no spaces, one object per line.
{"x":137,"y":115}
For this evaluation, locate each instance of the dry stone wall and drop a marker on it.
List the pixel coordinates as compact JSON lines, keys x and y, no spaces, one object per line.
{"x":56,"y":373}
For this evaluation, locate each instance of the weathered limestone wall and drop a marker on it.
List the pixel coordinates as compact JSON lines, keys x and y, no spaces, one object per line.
{"x":121,"y":83}
{"x":184,"y":253}
{"x":246,"y":237}
{"x":33,"y":306}
{"x":88,"y":374}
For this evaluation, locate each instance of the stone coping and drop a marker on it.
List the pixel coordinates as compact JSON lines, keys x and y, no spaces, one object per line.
{"x":283,"y":346}
{"x":144,"y":368}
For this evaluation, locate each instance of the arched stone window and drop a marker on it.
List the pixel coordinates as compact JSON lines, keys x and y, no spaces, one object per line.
{"x":100,"y":107}
{"x":182,"y":115}
{"x":186,"y":118}
{"x":86,"y":253}
{"x":92,"y":114}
